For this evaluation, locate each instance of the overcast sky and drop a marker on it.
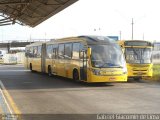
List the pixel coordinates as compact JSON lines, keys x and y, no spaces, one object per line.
{"x":95,"y":17}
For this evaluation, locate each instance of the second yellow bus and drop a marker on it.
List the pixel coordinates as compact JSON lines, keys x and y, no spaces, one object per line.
{"x":138,"y":55}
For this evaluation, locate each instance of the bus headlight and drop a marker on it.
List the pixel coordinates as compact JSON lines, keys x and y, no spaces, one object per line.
{"x":96,"y":72}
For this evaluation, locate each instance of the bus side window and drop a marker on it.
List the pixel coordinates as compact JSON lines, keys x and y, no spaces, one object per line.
{"x":39,"y":51}
{"x":54,"y":51}
{"x":30,"y":52}
{"x":27,"y":52}
{"x":49,"y":51}
{"x":61,"y":51}
{"x":35,"y":51}
{"x":75,"y":54}
{"x":68,"y":50}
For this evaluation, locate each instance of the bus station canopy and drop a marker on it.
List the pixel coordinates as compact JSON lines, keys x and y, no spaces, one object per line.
{"x":30,"y":12}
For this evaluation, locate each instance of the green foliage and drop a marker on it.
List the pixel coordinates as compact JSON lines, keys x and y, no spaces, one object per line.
{"x":156,"y":72}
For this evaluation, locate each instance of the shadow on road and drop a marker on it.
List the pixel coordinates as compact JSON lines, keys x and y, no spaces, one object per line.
{"x":34,"y":80}
{"x":131,"y":80}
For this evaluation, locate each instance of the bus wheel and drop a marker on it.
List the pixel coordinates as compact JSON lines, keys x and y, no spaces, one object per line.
{"x":75,"y":75}
{"x":49,"y":71}
{"x":30,"y":67}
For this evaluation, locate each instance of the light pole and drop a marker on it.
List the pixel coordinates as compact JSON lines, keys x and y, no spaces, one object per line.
{"x":120,"y":34}
{"x":132,"y":28}
{"x":45,"y":36}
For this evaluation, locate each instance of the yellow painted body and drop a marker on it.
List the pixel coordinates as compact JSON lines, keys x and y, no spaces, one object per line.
{"x":140,"y":70}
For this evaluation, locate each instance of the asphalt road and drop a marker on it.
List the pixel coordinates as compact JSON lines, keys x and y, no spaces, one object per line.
{"x":43,"y":96}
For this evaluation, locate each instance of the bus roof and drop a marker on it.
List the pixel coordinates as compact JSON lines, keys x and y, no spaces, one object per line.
{"x":98,"y":39}
{"x":88,"y":39}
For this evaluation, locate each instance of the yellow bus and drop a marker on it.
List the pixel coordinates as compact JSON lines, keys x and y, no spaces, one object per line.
{"x":82,"y":58}
{"x":138,"y":55}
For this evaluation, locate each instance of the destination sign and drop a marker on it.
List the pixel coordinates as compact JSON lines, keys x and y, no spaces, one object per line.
{"x":137,"y":43}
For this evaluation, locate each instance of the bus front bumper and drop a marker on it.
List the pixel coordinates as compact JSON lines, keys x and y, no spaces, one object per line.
{"x":114,"y":78}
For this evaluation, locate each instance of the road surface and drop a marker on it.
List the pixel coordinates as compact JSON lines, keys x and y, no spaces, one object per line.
{"x":32,"y":94}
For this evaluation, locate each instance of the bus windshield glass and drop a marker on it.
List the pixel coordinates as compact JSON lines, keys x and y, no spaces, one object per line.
{"x":138,"y":55}
{"x":107,"y":56}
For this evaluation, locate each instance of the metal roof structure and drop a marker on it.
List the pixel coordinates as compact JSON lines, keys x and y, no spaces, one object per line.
{"x":30,"y":12}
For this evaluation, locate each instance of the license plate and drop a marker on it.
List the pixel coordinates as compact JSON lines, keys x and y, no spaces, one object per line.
{"x":112,"y":79}
{"x":139,"y":73}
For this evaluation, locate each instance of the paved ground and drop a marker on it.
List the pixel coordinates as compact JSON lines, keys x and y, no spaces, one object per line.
{"x":35,"y":93}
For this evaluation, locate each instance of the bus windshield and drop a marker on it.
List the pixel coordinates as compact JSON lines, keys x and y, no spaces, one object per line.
{"x":138,"y":55}
{"x":107,"y":56}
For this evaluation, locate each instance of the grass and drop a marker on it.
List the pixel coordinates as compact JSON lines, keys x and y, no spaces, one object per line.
{"x":156,"y":72}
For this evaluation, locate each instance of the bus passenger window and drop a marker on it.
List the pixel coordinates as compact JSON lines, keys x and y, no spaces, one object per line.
{"x":39,"y":51}
{"x":76,"y":50}
{"x":49,"y":51}
{"x":61,"y":51}
{"x":31,"y":52}
{"x":35,"y":51}
{"x":27,"y":52}
{"x":68,"y":51}
{"x":54,"y":51}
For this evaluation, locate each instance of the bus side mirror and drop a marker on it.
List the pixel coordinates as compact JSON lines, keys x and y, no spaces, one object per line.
{"x":88,"y":52}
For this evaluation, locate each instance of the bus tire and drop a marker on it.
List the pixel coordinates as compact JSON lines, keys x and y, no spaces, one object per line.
{"x":49,"y":71}
{"x":30,"y":67}
{"x":75,"y":75}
